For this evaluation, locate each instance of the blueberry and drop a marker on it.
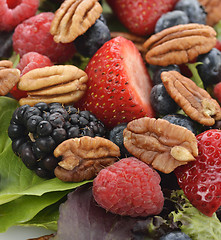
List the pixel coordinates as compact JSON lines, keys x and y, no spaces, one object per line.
{"x":161,"y":101}
{"x":210,"y":69}
{"x":183,"y":121}
{"x":171,"y":19}
{"x":88,"y":43}
{"x":156,"y":79}
{"x":175,"y":236}
{"x":116,"y":136}
{"x":193,"y":9}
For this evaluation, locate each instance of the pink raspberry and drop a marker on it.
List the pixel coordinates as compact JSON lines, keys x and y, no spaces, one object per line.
{"x":29,"y":61}
{"x":13,"y":12}
{"x":129,"y":187}
{"x":33,"y":35}
{"x":32,"y":60}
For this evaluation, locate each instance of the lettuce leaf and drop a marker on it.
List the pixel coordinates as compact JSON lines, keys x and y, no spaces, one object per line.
{"x":218,"y":30}
{"x":15,"y":179}
{"x":25,"y":208}
{"x":195,"y":224}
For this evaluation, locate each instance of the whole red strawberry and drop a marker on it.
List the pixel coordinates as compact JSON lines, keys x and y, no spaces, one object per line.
{"x":217,"y":91}
{"x":119,"y":85}
{"x":201,"y":179}
{"x":140,"y":16}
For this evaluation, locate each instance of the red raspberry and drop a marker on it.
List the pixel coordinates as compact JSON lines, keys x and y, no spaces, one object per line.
{"x":217,"y":91}
{"x":13,"y":12}
{"x":129,"y":187}
{"x":28,"y":62}
{"x":33,"y":35}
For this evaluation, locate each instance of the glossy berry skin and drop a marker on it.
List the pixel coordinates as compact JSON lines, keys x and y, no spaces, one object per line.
{"x":36,"y":131}
{"x":201,"y":179}
{"x":118,"y":84}
{"x":210,"y":70}
{"x":156,"y":79}
{"x":13,"y":12}
{"x":182,"y":120}
{"x":161,"y":101}
{"x":116,"y":136}
{"x":129,"y":187}
{"x":29,"y":61}
{"x":171,"y":19}
{"x":139,"y":16}
{"x":88,"y":43}
{"x":175,"y":236}
{"x":193,"y":10}
{"x":32,"y":35}
{"x":217,"y":92}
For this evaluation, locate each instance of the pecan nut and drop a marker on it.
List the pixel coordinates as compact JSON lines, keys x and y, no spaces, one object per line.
{"x":84,"y":157}
{"x":213,"y":10}
{"x":195,"y":101}
{"x":9,"y":77}
{"x":179,"y":44}
{"x":160,"y":143}
{"x":5,"y":64}
{"x":73,"y":18}
{"x":60,"y":83}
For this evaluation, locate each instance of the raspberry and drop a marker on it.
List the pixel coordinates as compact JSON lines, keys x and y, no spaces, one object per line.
{"x":129,"y":187}
{"x":33,"y":35}
{"x":32,"y":60}
{"x":28,"y":62}
{"x":14,"y":12}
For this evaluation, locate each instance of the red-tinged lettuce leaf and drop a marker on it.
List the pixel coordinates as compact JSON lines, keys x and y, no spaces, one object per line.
{"x":81,"y":218}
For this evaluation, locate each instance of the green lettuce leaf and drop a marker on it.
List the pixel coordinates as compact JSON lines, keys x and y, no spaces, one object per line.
{"x":195,"y":224}
{"x":218,"y":30}
{"x":25,"y":208}
{"x":15,"y":179}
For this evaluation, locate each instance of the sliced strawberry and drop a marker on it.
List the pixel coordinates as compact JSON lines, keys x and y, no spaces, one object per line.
{"x":119,"y":85}
{"x":140,"y":16}
{"x":201,"y":179}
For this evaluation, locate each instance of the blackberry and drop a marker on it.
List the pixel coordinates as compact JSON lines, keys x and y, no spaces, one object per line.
{"x":36,"y":131}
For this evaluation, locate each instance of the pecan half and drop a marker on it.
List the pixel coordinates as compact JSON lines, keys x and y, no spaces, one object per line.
{"x":160,"y":143}
{"x":8,"y":77}
{"x":73,"y":18}
{"x":179,"y":44}
{"x":195,"y":101}
{"x":5,"y":64}
{"x":60,"y":83}
{"x":213,"y":10}
{"x":84,"y":157}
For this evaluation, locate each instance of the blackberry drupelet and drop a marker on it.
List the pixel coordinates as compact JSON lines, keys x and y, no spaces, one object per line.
{"x":36,"y":131}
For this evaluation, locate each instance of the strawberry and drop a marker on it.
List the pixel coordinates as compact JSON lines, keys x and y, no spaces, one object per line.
{"x":139,"y":16}
{"x":201,"y":179}
{"x":119,"y":85}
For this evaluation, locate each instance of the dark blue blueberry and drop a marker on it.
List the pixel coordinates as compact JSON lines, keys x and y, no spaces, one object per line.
{"x":210,"y":70}
{"x":183,"y":121}
{"x":88,"y":43}
{"x":156,"y":79}
{"x":193,"y":9}
{"x":116,"y":136}
{"x":161,"y":101}
{"x":171,"y":19}
{"x":175,"y":236}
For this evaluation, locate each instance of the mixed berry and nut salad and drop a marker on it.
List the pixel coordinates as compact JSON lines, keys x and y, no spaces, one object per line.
{"x":110,"y":118}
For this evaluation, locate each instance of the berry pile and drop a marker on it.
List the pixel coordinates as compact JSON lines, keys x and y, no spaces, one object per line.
{"x":36,"y":131}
